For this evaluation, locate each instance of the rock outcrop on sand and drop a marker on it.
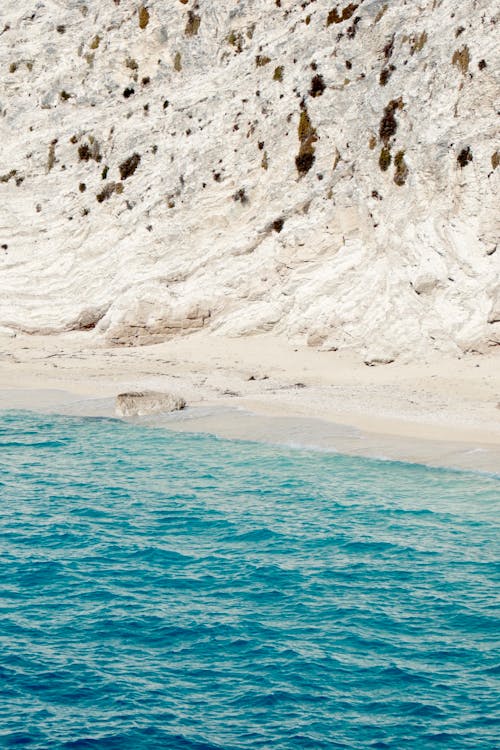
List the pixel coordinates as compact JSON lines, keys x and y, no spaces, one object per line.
{"x":141,"y":403}
{"x":323,"y":171}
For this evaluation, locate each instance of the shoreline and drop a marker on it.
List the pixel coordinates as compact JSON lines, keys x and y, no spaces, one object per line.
{"x":300,"y":433}
{"x":441,"y":412}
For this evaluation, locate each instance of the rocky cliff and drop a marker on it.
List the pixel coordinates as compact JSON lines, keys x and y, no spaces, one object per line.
{"x":322,"y":171}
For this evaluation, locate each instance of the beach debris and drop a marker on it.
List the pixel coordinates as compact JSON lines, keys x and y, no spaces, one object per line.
{"x":141,"y":403}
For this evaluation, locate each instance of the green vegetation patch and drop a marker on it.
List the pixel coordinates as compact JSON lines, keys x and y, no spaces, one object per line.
{"x":385,"y":158}
{"x":461,"y":59}
{"x":108,"y":190}
{"x":400,"y":168}
{"x":90,"y":150}
{"x":143,"y":17}
{"x":385,"y":74}
{"x":193,"y":24}
{"x":336,"y":16}
{"x":8,"y":176}
{"x":128,"y":167}
{"x":464,"y":157}
{"x":317,"y":85}
{"x":131,"y":63}
{"x":51,"y":158}
{"x":307,"y":138}
{"x":417,"y":42}
{"x":235,"y":39}
{"x":388,"y":123}
{"x":240,"y":196}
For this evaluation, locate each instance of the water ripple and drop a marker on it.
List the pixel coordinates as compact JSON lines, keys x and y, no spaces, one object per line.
{"x":165,"y":590}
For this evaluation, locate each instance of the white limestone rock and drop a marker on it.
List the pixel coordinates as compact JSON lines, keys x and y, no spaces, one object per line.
{"x":7,"y":332}
{"x":328,"y":172}
{"x":374,"y":356}
{"x":142,"y":403}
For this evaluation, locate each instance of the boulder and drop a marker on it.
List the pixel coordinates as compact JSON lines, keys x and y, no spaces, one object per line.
{"x":378,"y":356}
{"x":141,"y":403}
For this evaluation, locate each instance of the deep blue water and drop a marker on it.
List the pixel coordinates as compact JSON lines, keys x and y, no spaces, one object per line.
{"x":163,"y":590}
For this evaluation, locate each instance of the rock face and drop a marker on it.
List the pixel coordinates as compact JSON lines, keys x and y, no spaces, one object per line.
{"x":324,"y":171}
{"x":147,"y":402}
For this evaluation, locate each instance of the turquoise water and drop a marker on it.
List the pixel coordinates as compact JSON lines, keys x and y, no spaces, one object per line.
{"x":164,"y":590}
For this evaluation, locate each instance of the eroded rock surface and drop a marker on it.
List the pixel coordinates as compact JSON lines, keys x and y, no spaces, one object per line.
{"x":322,"y":170}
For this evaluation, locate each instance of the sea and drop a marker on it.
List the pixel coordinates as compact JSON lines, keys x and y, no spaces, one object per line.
{"x":171,"y":590}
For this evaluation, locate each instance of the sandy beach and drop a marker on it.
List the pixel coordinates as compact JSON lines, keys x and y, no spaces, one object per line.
{"x":442,"y":411}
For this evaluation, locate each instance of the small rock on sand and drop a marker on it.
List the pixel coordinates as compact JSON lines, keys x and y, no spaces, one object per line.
{"x":140,"y":403}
